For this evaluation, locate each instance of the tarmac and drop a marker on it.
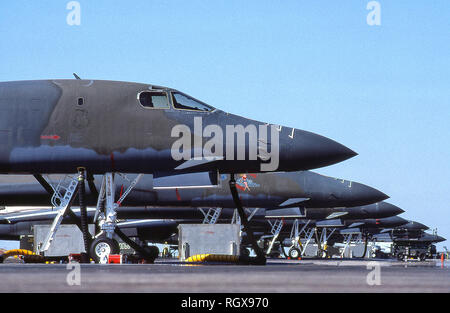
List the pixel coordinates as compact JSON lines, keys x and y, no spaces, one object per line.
{"x":278,"y":276}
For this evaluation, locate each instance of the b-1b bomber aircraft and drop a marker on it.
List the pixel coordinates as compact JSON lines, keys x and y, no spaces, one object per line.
{"x":302,"y":189}
{"x":55,"y":126}
{"x":107,"y":127}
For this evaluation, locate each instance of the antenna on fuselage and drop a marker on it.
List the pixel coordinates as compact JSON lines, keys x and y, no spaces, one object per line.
{"x":76,"y":76}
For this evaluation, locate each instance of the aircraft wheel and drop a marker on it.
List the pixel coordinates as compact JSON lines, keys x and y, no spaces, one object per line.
{"x":152,"y":252}
{"x":103,"y":246}
{"x":422,"y":257}
{"x":245,"y":252}
{"x":294,"y":253}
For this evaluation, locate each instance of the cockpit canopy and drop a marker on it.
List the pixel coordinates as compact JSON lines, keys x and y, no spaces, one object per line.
{"x":154,"y":99}
{"x":162,"y":99}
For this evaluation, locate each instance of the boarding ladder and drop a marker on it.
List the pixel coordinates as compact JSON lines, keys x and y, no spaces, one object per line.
{"x":62,"y":203}
{"x":348,"y":239}
{"x":308,"y":236}
{"x":325,"y":235}
{"x":275,"y":231}
{"x":296,"y":234}
{"x":211,"y":216}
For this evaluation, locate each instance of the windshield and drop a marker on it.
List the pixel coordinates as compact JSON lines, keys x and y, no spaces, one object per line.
{"x":185,"y":102}
{"x":151,"y":99}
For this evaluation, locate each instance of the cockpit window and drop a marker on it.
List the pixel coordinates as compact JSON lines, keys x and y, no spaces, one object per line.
{"x":154,"y":99}
{"x":184,"y":102}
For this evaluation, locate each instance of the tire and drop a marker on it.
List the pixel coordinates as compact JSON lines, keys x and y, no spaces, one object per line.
{"x":103,"y":245}
{"x":294,"y":253}
{"x":422,"y":257}
{"x":245,"y":252}
{"x":152,"y":252}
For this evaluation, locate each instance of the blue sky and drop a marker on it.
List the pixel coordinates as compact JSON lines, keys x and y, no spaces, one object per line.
{"x":383,"y":91}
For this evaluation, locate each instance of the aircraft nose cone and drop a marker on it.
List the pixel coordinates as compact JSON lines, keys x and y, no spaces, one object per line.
{"x":412,"y":225}
{"x":387,"y":209}
{"x":335,"y":192}
{"x":393,"y":221}
{"x":361,"y":194}
{"x":311,"y":150}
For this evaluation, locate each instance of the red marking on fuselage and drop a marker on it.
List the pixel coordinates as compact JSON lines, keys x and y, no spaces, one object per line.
{"x":50,"y":137}
{"x":240,"y":187}
{"x":252,"y":175}
{"x":178,"y":194}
